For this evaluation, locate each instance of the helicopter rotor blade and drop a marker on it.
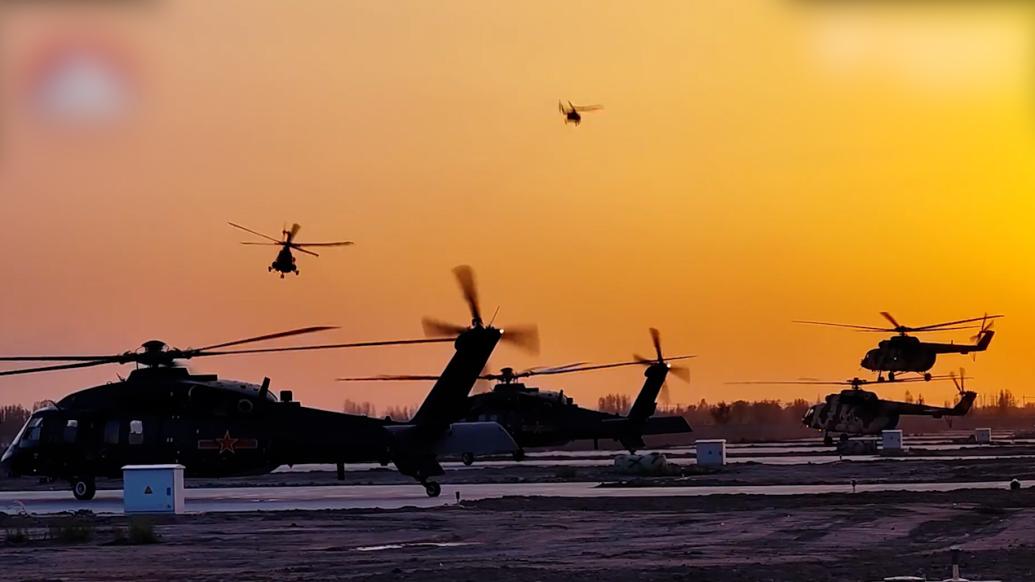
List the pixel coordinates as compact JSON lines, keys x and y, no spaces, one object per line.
{"x":665,"y":395}
{"x":858,"y":327}
{"x":859,"y":381}
{"x":271,"y":244}
{"x":291,"y":234}
{"x":587,"y":107}
{"x":655,"y":337}
{"x":543,"y":370}
{"x":436,"y":328}
{"x":320,"y":347}
{"x":256,"y":233}
{"x":525,"y":337}
{"x":389,"y":378}
{"x":890,"y":318}
{"x":57,"y":358}
{"x":957,"y":322}
{"x":681,"y":372}
{"x":344,"y":243}
{"x":270,"y":336}
{"x":465,"y":277}
{"x":300,"y":249}
{"x":55,"y":368}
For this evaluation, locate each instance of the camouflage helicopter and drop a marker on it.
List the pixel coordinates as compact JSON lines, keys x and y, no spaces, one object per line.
{"x":905,"y":353}
{"x":538,"y":418}
{"x":285,"y":261}
{"x":572,"y":113}
{"x":215,"y":427}
{"x":855,"y":411}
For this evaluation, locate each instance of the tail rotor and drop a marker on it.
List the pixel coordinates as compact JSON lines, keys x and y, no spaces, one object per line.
{"x":525,"y":337}
{"x":983,"y":333}
{"x":681,"y":372}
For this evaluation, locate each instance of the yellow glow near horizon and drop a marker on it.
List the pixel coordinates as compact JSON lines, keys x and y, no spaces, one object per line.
{"x":755,"y":163}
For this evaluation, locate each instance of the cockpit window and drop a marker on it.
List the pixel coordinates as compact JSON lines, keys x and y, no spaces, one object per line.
{"x":30,"y":436}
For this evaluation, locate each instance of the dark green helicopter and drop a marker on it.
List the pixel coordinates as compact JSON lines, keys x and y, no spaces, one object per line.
{"x":904,"y":353}
{"x":162,"y":413}
{"x":538,"y":418}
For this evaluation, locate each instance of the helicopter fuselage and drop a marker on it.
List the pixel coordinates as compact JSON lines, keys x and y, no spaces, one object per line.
{"x":220,"y":428}
{"x":215,"y":428}
{"x":851,"y":412}
{"x":285,"y":262}
{"x":905,"y":353}
{"x":540,"y":418}
{"x":861,"y":412}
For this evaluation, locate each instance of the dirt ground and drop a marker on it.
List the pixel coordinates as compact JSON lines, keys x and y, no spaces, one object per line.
{"x":719,"y":538}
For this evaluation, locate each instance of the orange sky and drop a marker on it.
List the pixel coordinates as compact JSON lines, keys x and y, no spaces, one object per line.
{"x":756,"y":162}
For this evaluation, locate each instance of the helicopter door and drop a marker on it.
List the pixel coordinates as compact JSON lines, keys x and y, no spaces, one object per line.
{"x":177,"y":439}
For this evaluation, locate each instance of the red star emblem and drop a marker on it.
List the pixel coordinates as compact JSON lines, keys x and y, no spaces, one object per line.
{"x":227,"y":443}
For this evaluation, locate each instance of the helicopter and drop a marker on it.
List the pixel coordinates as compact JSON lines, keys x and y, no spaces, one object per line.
{"x":538,"y":418}
{"x":905,"y":353}
{"x":855,"y":411}
{"x":161,"y":413}
{"x":285,"y":261}
{"x":572,"y":113}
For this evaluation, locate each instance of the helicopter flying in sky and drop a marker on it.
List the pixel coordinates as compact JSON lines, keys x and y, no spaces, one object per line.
{"x":537,"y":418}
{"x":162,"y":413}
{"x":285,"y":261}
{"x":906,"y":353}
{"x":855,"y":411}
{"x":573,"y":113}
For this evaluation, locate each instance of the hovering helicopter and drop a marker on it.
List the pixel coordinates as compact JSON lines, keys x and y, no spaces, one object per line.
{"x":538,"y":418}
{"x":285,"y":261}
{"x":906,"y":353}
{"x":162,"y":413}
{"x":855,"y":411}
{"x":572,"y":112}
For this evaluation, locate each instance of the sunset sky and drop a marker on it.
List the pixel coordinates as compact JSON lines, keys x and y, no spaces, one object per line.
{"x":756,"y":162}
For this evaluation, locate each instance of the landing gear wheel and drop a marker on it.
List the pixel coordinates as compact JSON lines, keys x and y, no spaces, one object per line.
{"x":828,"y":440}
{"x":432,"y":488}
{"x":844,"y":438}
{"x":467,"y":458}
{"x":269,"y":269}
{"x":927,"y":376}
{"x":519,"y":455}
{"x":297,"y":272}
{"x":891,"y":376}
{"x":282,"y":275}
{"x":84,"y":488}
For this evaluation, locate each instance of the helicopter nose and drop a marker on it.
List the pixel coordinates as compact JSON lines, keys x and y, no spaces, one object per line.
{"x":7,"y":464}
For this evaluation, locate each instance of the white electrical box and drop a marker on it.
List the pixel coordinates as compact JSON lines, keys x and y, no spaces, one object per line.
{"x":152,"y":488}
{"x":711,"y":452}
{"x":891,"y":440}
{"x":983,"y":436}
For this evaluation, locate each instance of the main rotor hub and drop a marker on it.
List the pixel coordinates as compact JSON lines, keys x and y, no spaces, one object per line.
{"x":154,"y":346}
